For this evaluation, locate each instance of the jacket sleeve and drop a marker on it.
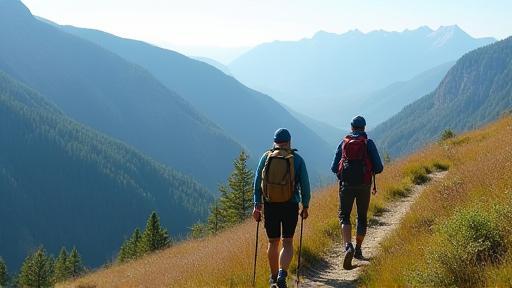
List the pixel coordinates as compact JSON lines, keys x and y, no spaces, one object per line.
{"x":374,"y":156}
{"x":257,"y":180}
{"x":337,"y":158}
{"x":305,"y":189}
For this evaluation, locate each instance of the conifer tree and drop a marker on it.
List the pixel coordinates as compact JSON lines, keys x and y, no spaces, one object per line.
{"x":74,"y":263}
{"x":61,"y":269}
{"x":131,"y":247}
{"x":37,"y":270}
{"x":198,"y":230}
{"x":217,"y":220}
{"x":4,"y":276}
{"x":154,"y":237}
{"x":236,"y":200}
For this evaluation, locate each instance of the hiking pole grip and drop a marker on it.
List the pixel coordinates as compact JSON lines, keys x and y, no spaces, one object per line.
{"x":300,"y":250}
{"x":255,"y":254}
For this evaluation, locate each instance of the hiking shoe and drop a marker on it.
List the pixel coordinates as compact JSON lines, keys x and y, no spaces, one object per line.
{"x":273,"y":281}
{"x":358,"y":254}
{"x":349,"y":254}
{"x":281,"y":279}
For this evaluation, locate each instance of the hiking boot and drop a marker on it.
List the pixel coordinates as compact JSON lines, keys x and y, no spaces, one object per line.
{"x":273,"y":281}
{"x":281,"y":279}
{"x":358,"y":254}
{"x":349,"y":254}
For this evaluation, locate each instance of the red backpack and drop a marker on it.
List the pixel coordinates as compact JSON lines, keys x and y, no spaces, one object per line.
{"x":355,"y":167}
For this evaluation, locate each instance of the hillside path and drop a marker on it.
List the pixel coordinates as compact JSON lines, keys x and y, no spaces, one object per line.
{"x":330,"y":273}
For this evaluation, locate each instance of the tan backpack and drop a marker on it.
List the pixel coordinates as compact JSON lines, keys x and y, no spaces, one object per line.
{"x":278,"y":179}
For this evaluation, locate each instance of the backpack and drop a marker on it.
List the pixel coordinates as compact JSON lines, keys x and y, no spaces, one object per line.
{"x":355,"y":167}
{"x":278,"y":175}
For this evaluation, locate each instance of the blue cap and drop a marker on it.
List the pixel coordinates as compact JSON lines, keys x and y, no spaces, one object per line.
{"x":358,"y":122}
{"x":282,"y":135}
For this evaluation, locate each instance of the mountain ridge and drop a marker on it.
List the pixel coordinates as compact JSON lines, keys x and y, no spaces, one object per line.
{"x":64,"y":184}
{"x":350,"y":64}
{"x":101,"y":89}
{"x":475,"y":91}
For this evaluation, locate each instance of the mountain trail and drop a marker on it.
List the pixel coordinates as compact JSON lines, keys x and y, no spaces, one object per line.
{"x":330,"y":273}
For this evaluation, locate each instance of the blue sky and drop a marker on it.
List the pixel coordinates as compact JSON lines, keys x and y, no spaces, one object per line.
{"x":244,"y":23}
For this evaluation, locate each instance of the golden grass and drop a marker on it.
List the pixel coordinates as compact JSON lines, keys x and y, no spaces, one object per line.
{"x":225,"y":260}
{"x":480,"y":178}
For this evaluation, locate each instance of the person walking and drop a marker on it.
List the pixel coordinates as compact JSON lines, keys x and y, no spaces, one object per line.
{"x":281,"y":183}
{"x":355,"y":163}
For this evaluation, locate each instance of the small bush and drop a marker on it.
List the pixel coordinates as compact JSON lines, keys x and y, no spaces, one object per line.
{"x":447,"y":134}
{"x":461,"y":246}
{"x":418,"y":174}
{"x":399,"y":191}
{"x":441,"y":166}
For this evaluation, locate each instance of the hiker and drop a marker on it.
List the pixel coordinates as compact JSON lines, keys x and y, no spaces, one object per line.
{"x":355,"y":162}
{"x":282,"y":182}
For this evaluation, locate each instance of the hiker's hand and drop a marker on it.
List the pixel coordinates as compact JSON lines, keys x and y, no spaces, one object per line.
{"x":256,"y":213}
{"x":374,"y":191}
{"x":304,"y":213}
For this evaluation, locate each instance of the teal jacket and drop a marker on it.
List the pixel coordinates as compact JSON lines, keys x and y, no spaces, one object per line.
{"x":302,"y":191}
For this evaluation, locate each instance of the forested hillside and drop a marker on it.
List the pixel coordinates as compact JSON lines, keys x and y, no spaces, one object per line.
{"x":477,"y":90}
{"x":62,"y":184}
{"x":247,"y":115}
{"x":380,"y":105}
{"x":102,"y":90}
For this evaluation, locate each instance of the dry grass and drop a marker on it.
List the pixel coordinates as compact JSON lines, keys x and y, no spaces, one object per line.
{"x":225,"y":260}
{"x":439,"y":243}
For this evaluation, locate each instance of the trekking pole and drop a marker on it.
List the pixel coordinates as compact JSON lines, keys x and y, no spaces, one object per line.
{"x":300,"y":250}
{"x":255,"y":255}
{"x":374,"y":192}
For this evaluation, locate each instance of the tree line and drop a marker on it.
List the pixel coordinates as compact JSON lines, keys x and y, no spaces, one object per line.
{"x":233,"y":206}
{"x":41,"y":270}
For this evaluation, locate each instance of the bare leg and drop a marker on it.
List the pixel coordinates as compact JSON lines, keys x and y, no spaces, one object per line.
{"x":347,"y":233}
{"x":273,"y":255}
{"x":285,"y":258}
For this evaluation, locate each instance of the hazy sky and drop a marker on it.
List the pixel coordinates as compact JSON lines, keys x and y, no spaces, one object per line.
{"x":242,"y":23}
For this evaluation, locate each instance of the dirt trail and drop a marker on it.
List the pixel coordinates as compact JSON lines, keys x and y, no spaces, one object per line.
{"x":330,"y":272}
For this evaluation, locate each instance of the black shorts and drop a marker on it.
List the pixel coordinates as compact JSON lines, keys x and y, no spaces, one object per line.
{"x":281,"y":215}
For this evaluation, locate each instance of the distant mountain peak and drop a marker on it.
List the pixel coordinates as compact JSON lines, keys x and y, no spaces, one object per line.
{"x":324,"y":34}
{"x":13,"y":9}
{"x":451,"y":30}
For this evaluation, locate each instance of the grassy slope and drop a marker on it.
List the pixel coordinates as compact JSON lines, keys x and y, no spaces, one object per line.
{"x":458,"y":233}
{"x":225,"y":260}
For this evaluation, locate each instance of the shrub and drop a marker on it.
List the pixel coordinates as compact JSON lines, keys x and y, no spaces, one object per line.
{"x":461,"y":246}
{"x":447,"y":134}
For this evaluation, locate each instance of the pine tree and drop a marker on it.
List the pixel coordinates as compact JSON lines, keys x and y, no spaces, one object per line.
{"x":37,"y":270}
{"x":154,"y":237}
{"x":217,"y":219}
{"x":4,"y":276}
{"x":74,"y":263}
{"x":235,"y":201}
{"x":61,"y":269}
{"x":198,"y":230}
{"x":236,"y":198}
{"x":131,"y":247}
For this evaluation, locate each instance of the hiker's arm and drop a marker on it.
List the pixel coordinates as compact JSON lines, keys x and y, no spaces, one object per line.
{"x":374,"y":154}
{"x":257,"y":181}
{"x":305,"y":189}
{"x":336,"y":160}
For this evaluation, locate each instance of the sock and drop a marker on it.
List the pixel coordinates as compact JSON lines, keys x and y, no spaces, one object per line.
{"x":282,"y":273}
{"x":358,"y":246}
